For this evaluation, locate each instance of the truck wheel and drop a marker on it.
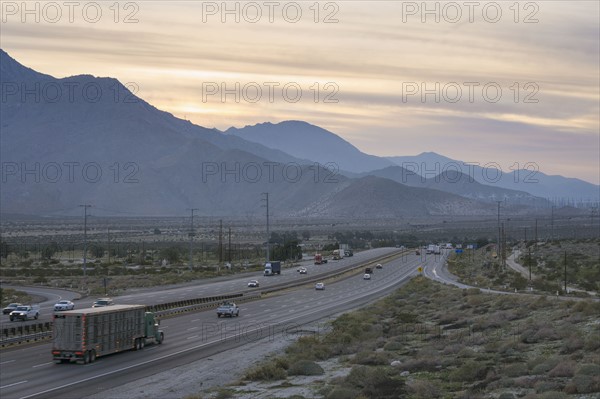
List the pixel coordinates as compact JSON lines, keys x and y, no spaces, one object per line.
{"x":36,"y":316}
{"x":136,"y":344}
{"x":92,"y":356}
{"x":142,"y":343}
{"x":161,"y":338}
{"x":237,"y":314}
{"x":218,"y":315}
{"x":86,"y":357}
{"x":12,"y":318}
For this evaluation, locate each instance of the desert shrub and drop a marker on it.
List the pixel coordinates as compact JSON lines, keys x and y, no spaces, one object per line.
{"x":573,"y":343}
{"x":268,"y":371}
{"x":583,"y":383}
{"x":420,"y":389}
{"x":394,"y":346}
{"x":563,"y":369}
{"x":515,"y":370}
{"x":470,"y":371}
{"x":542,"y":365}
{"x":592,"y":343}
{"x":414,"y":365}
{"x":375,"y":382}
{"x":371,"y":358}
{"x":342,"y":393}
{"x":589,"y":369}
{"x":305,"y":367}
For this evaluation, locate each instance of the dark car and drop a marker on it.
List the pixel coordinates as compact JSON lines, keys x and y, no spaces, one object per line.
{"x":101,"y":302}
{"x":10,"y":308}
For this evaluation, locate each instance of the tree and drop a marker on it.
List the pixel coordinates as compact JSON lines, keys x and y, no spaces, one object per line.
{"x":49,"y":250}
{"x":97,"y":251}
{"x":171,"y":254}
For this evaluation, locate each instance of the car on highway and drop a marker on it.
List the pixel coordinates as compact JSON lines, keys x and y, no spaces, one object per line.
{"x":228,"y":309}
{"x":25,"y":312}
{"x":100,"y":302}
{"x":63,"y":305}
{"x":10,"y":308}
{"x":366,"y":276}
{"x":319,"y":286}
{"x":253,"y":283}
{"x":379,"y":266}
{"x":302,"y":270}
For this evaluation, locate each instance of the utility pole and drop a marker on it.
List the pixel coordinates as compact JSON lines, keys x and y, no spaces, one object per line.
{"x":566,"y":272}
{"x":266,"y":199}
{"x":552,"y":224}
{"x":191,"y":261}
{"x":229,"y":246}
{"x":536,"y":233}
{"x":108,"y":243}
{"x":85,"y":207}
{"x":499,"y":231}
{"x":529,"y":262}
{"x":220,"y":241}
{"x":503,"y":247}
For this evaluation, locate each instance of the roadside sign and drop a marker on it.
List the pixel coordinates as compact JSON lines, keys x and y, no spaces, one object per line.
{"x":458,"y":251}
{"x":420,"y":269}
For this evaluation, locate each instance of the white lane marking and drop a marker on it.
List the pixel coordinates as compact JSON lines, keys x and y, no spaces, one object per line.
{"x":11,"y":385}
{"x":192,"y":337}
{"x":192,"y":328}
{"x":8,"y":361}
{"x":43,"y":364}
{"x":195,"y":320}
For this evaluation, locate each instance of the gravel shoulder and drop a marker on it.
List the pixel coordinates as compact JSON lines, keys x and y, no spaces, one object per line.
{"x":206,"y":375}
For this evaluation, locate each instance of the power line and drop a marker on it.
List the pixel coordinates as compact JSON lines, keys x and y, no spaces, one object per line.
{"x":191,"y":262}
{"x":85,"y":207}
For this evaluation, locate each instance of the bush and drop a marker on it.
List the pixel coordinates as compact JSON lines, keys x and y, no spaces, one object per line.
{"x":470,"y":371}
{"x":371,"y":358}
{"x":342,"y":393}
{"x":421,"y":389}
{"x":305,"y":367}
{"x":563,"y":369}
{"x":268,"y":371}
{"x":515,"y":370}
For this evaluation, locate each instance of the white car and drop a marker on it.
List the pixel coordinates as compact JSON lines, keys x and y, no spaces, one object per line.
{"x":367,"y":276}
{"x":64,"y":305}
{"x":253,"y":283}
{"x":302,"y":270}
{"x":319,"y":286}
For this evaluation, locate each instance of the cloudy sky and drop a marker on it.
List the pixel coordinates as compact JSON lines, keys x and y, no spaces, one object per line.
{"x":506,"y":82}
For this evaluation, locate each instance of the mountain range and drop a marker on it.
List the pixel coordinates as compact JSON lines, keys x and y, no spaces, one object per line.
{"x":89,"y":140}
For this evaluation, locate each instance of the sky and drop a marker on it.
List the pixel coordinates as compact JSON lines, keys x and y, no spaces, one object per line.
{"x":505,"y":82}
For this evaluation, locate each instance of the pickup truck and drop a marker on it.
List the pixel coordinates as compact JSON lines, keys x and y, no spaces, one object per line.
{"x":25,"y":312}
{"x":228,"y":309}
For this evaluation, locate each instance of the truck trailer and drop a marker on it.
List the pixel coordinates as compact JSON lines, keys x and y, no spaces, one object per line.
{"x":85,"y":334}
{"x":272,"y":268}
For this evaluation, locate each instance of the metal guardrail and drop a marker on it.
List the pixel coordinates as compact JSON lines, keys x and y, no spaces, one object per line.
{"x":43,"y":331}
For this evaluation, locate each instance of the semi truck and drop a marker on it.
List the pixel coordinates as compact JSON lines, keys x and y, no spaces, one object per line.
{"x":272,"y":268}
{"x":85,"y":334}
{"x":318,"y":259}
{"x":337,"y":254}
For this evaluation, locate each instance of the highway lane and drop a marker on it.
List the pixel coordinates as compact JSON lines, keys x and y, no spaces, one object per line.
{"x":207,"y":287}
{"x":194,"y":336}
{"x":51,"y":295}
